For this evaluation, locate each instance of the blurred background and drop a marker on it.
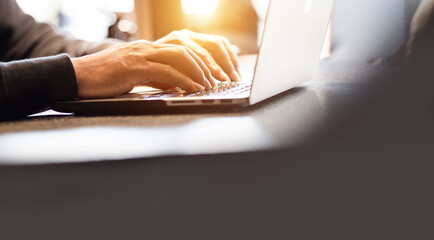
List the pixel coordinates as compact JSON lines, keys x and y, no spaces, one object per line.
{"x":361,"y":30}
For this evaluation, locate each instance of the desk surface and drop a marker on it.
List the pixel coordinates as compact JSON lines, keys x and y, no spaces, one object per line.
{"x":285,"y":120}
{"x":354,"y":187}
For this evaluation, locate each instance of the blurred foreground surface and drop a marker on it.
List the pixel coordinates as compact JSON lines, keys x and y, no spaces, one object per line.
{"x":286,"y":120}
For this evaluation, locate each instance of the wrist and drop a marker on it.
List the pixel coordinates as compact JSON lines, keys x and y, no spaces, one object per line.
{"x":80,"y":75}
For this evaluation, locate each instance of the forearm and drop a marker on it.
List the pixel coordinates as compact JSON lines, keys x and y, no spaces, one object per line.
{"x":44,"y":40}
{"x":22,"y":37}
{"x":31,"y":86}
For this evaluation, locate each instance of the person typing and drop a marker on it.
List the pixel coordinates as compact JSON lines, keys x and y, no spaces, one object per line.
{"x":39,"y":65}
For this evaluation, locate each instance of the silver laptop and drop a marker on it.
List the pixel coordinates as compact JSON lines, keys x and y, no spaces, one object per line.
{"x":290,"y":50}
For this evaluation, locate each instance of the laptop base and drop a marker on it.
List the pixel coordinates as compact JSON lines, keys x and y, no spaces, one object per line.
{"x":135,"y":107}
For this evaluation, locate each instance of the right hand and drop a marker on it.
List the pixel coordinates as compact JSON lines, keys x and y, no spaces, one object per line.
{"x":119,"y":69}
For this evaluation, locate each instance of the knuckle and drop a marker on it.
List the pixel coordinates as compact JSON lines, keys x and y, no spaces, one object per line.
{"x":219,"y":39}
{"x":139,"y":43}
{"x":166,"y":69}
{"x":222,"y":39}
{"x":156,"y":45}
{"x":185,"y":31}
{"x":217,"y":44}
{"x":181,"y":51}
{"x":187,"y":49}
{"x":203,"y":53}
{"x":175,"y":33}
{"x":176,"y":40}
{"x":135,"y":45}
{"x":138,"y":46}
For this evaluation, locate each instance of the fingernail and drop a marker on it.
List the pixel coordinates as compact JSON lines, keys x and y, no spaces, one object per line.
{"x":225,"y":77}
{"x":207,"y":84}
{"x":214,"y":85}
{"x":198,"y":87}
{"x":235,"y":76}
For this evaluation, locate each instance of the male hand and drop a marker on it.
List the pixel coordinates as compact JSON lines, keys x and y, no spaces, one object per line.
{"x":183,"y":59}
{"x":215,"y":51}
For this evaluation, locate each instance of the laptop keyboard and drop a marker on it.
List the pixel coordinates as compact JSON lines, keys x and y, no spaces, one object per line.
{"x":225,"y":89}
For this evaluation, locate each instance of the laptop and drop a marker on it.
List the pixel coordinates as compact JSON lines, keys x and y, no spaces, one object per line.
{"x":290,"y":50}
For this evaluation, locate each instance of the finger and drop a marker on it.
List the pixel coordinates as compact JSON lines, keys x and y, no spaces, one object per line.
{"x":198,"y":60}
{"x":166,"y":74}
{"x":180,"y":58}
{"x":232,"y":55}
{"x":183,"y":38}
{"x":204,"y":68}
{"x":218,"y":51}
{"x":221,"y":54}
{"x":204,"y":55}
{"x":189,"y":44}
{"x":209,"y":61}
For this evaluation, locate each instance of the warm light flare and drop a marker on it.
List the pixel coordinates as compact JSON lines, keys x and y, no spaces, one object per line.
{"x":199,"y":7}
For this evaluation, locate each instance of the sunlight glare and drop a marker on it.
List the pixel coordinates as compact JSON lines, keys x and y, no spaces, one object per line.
{"x":199,"y":7}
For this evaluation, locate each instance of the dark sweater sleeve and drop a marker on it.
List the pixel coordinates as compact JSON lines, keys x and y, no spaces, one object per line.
{"x":32,"y":74}
{"x":30,"y":86}
{"x":22,"y":37}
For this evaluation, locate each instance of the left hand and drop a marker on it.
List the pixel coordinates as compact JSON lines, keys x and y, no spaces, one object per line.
{"x":215,"y":51}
